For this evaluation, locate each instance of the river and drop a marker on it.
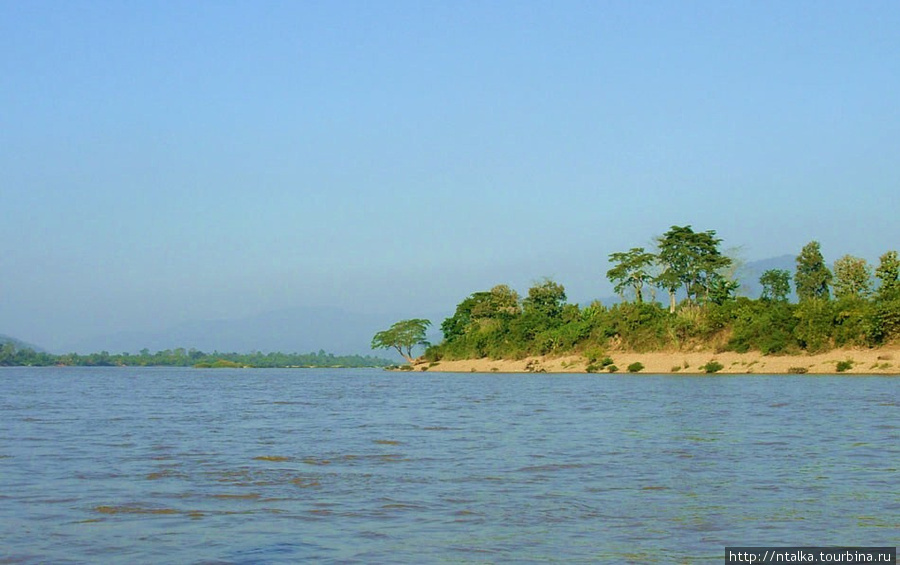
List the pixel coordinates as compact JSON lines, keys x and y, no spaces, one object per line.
{"x":150,"y":465}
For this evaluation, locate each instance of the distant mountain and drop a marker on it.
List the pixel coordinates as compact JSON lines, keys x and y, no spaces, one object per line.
{"x":18,"y":343}
{"x":298,"y":330}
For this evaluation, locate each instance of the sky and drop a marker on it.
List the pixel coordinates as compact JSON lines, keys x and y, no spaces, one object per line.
{"x":162,"y":162}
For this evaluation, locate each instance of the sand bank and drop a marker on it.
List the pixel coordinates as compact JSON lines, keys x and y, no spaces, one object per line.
{"x":881,"y":361}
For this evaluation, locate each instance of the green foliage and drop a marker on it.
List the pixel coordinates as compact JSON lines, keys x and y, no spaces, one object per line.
{"x":888,"y":274}
{"x":188,"y":358}
{"x":776,"y":285}
{"x":636,"y":367}
{"x":798,"y":370}
{"x":813,"y":277}
{"x":815,"y":324}
{"x":641,"y":327}
{"x":884,"y":321}
{"x":226,"y":364}
{"x":764,"y":326}
{"x":612,"y":368}
{"x":712,"y":367}
{"x":852,"y":321}
{"x":692,"y":260}
{"x":852,"y":278}
{"x":402,"y":336}
{"x":844,"y":366}
{"x":496,"y":324}
{"x":633,"y":270}
{"x":545,"y":300}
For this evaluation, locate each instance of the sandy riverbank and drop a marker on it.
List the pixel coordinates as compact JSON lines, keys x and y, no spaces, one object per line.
{"x":881,"y":361}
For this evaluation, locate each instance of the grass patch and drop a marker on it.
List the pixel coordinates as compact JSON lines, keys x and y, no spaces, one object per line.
{"x":712,"y":367}
{"x":635,"y":367}
{"x":844,"y":365}
{"x":798,"y":370}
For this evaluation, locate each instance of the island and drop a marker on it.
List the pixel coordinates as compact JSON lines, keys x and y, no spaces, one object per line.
{"x":844,"y":319}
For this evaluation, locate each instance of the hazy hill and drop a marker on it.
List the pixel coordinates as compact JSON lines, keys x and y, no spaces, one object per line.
{"x":749,"y":274}
{"x":4,"y":339}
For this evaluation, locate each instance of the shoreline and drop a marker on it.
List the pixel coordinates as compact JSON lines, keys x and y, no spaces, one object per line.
{"x":863,"y":361}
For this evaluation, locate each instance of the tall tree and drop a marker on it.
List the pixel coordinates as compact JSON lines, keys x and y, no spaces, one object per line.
{"x":852,"y":277}
{"x":888,"y":274}
{"x":500,"y":302}
{"x":402,"y":336}
{"x":633,"y":270}
{"x":813,"y":277}
{"x":545,"y":299}
{"x":776,"y":285}
{"x":691,"y":260}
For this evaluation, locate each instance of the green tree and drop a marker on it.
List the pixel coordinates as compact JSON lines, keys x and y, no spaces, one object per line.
{"x":632,"y":271}
{"x":545,"y":299}
{"x":813,"y":277}
{"x":888,"y":274}
{"x":500,"y":302}
{"x":852,"y":278}
{"x":691,"y":260}
{"x":402,"y":336}
{"x":776,"y":285}
{"x":884,"y":324}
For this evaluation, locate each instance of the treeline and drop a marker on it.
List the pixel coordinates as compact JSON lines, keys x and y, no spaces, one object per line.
{"x":10,"y":355}
{"x":855,"y":305}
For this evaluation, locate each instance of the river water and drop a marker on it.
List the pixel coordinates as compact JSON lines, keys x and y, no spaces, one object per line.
{"x":152,"y":465}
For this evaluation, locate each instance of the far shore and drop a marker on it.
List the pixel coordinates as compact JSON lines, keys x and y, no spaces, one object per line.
{"x":880,"y":361}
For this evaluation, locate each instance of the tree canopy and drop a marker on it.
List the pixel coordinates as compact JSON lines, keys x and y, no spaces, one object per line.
{"x":633,"y":270}
{"x":403,"y":336}
{"x":498,"y":324}
{"x":691,"y":260}
{"x":852,"y":278}
{"x":813,"y":278}
{"x":776,"y":285}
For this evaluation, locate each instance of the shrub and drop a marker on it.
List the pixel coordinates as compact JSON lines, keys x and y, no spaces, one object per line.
{"x":433,"y":354}
{"x":712,"y":367}
{"x":635,"y":367}
{"x":612,"y":368}
{"x":593,"y":354}
{"x":798,"y":370}
{"x":606,"y":362}
{"x":226,"y":364}
{"x":844,"y":366}
{"x":592,"y":368}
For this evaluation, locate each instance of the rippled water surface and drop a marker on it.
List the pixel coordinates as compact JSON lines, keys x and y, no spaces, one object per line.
{"x":363,"y":466}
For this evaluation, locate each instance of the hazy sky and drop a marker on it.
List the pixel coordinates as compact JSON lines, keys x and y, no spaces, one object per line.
{"x":168,"y":161}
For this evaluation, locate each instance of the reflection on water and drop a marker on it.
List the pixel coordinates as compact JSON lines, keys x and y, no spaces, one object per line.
{"x":362,"y":466}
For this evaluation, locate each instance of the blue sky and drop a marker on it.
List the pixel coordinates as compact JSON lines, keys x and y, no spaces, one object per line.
{"x":169,"y":161}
